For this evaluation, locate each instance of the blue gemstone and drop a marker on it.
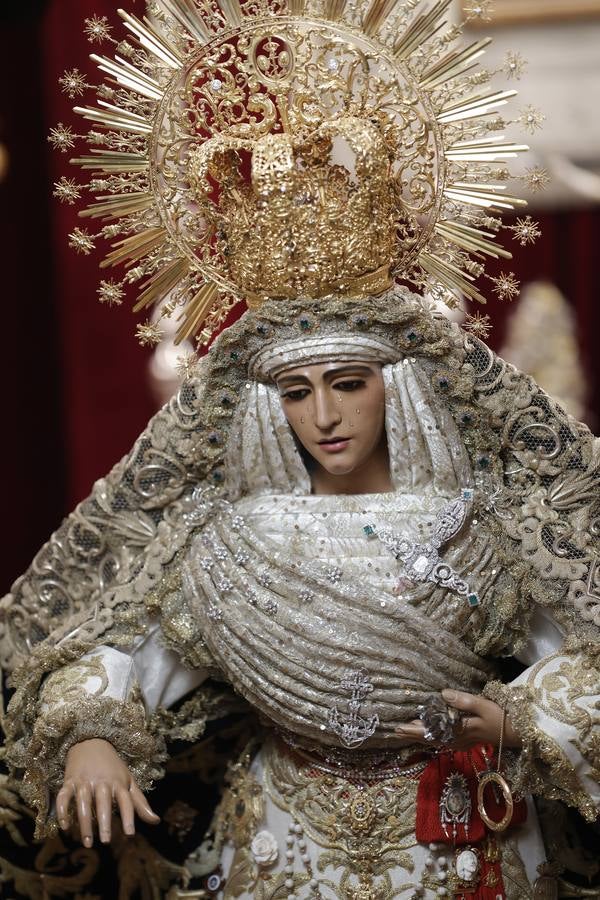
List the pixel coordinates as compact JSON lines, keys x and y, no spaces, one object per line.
{"x":473,"y":599}
{"x":369,"y":530}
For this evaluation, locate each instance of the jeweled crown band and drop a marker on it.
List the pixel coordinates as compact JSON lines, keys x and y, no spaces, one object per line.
{"x":275,"y":359}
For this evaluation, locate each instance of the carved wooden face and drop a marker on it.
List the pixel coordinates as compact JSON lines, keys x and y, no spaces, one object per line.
{"x":337,"y":411}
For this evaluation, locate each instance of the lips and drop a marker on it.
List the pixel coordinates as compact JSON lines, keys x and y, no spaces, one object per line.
{"x":334,"y":445}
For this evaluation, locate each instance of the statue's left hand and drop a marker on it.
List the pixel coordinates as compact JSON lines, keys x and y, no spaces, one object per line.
{"x":481,"y":723}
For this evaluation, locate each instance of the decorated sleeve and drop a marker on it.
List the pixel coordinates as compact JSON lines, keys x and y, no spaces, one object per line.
{"x":554,"y":706}
{"x":106,"y":693}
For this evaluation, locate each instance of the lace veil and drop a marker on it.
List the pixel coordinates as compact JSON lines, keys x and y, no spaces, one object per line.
{"x":105,"y":573}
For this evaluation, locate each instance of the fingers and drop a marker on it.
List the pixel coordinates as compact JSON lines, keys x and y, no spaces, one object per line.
{"x":461,"y":700}
{"x":83,"y":794}
{"x":104,"y":800}
{"x":141,"y":805}
{"x":63,"y":802}
{"x":414,"y":732}
{"x":125,"y":804}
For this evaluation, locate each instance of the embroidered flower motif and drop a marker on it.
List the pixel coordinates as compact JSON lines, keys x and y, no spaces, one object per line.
{"x":537,"y":506}
{"x":264,"y":849}
{"x":334,"y":574}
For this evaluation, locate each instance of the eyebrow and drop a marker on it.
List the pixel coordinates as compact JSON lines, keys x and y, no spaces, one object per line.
{"x":329,"y":374}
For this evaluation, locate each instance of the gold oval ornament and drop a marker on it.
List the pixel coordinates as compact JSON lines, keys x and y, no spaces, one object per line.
{"x":495,"y":778}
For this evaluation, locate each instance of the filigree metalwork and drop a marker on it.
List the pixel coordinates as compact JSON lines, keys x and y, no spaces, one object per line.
{"x":255,"y":150}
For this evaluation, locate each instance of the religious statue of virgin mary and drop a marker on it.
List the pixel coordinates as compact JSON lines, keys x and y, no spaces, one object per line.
{"x":352,"y":512}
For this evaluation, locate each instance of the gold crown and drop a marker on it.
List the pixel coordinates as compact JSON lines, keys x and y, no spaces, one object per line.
{"x":253,"y":149}
{"x":305,"y":225}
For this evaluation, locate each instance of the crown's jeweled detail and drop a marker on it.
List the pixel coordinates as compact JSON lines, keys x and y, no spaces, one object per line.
{"x":254,"y":149}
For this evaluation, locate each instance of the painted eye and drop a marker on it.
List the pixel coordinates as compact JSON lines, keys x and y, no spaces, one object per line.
{"x":299,"y":394}
{"x":350,"y":385}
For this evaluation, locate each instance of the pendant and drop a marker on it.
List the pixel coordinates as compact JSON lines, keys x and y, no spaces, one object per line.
{"x":455,"y":804}
{"x":422,"y":562}
{"x":495,"y":778}
{"x":467,"y":866}
{"x":353,"y":729}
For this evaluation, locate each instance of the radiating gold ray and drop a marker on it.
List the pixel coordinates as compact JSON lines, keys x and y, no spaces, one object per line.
{"x":111,"y":161}
{"x":421,"y":29}
{"x":128,"y":76}
{"x":114,"y":117}
{"x":486,"y":150}
{"x":453,"y":64}
{"x":334,"y":9}
{"x":486,"y":196}
{"x":161,"y":283}
{"x":232,"y":12}
{"x":116,"y":205}
{"x":376,"y":15}
{"x":296,"y":7}
{"x":152,"y":40}
{"x":130,"y":249}
{"x":471,"y":239}
{"x":196,"y":311}
{"x":186,"y":13}
{"x":450,"y":275}
{"x":474,"y":106}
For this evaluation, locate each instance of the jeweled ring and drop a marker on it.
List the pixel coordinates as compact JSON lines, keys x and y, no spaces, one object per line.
{"x":442,"y":723}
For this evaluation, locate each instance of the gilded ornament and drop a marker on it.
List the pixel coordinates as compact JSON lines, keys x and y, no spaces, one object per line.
{"x":296,"y":115}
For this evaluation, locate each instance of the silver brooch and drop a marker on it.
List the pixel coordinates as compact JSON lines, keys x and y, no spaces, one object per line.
{"x":422,"y":562}
{"x":455,"y":804}
{"x":353,"y":729}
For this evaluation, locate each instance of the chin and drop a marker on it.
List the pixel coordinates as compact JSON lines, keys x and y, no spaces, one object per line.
{"x":340,"y":467}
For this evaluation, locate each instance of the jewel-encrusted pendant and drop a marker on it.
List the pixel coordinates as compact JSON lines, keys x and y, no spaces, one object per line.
{"x":353,"y":729}
{"x":455,"y":804}
{"x":422,"y":562}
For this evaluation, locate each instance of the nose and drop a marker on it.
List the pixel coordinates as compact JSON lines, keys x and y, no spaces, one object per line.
{"x":328,"y":411}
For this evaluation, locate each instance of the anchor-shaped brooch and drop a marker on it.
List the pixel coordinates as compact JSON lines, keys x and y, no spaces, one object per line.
{"x":353,"y":730}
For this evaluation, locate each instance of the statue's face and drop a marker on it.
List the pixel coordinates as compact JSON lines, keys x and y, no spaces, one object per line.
{"x":337,"y":411}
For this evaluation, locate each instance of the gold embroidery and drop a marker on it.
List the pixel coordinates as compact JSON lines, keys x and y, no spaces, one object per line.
{"x":364,"y":828}
{"x":67,"y":684}
{"x":516,"y":882}
{"x":541,"y":767}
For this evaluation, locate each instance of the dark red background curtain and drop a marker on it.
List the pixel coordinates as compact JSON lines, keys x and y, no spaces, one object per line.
{"x":74,"y":378}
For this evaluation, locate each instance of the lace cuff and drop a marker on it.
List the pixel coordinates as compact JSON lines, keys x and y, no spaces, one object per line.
{"x":122,"y":722}
{"x":542,"y":766}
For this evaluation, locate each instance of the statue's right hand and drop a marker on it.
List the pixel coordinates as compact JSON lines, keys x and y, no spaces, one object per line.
{"x":95,"y":778}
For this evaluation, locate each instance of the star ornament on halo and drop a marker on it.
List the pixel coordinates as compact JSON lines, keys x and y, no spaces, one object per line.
{"x":526,"y":231}
{"x":480,"y":10}
{"x":531,"y":119}
{"x":110,"y":293}
{"x":536,"y":178}
{"x":478,"y":325}
{"x":62,"y":137}
{"x":97,"y":29}
{"x":81,"y":241}
{"x":73,"y":84}
{"x":506,"y":286}
{"x":149,"y":334}
{"x":514,"y":65}
{"x":66,"y":190}
{"x":187,"y":366}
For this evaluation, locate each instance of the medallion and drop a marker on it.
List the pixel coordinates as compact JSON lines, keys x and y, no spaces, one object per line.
{"x":455,"y":804}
